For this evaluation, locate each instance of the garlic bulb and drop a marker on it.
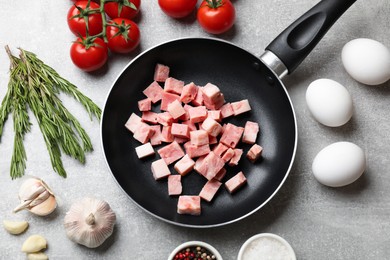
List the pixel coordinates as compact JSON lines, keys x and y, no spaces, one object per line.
{"x":89,"y":222}
{"x":37,"y":197}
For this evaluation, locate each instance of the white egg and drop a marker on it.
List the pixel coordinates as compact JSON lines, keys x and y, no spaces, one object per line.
{"x":367,"y":61}
{"x":339,"y":164}
{"x":329,"y":102}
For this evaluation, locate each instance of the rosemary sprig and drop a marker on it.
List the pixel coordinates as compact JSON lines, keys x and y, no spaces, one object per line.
{"x":35,"y":85}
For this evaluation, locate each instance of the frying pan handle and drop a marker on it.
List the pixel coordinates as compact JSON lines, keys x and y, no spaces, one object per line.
{"x":299,"y":39}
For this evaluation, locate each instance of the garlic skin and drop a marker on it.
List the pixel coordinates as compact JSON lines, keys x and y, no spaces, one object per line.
{"x":37,"y":197}
{"x":89,"y":222}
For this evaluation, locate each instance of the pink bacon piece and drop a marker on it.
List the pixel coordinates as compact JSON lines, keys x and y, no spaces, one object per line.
{"x":240,"y":107}
{"x":133,"y":122}
{"x":199,"y":137}
{"x":209,"y":190}
{"x":174,"y":185}
{"x":250,"y":132}
{"x":254,"y":153}
{"x":143,"y":133}
{"x":180,"y":130}
{"x":231,"y":135}
{"x":189,"y":93}
{"x":173,"y":85}
{"x":211,"y":165}
{"x":160,"y":169}
{"x":168,"y":98}
{"x":184,"y":165}
{"x":150,"y":117}
{"x":145,"y":104}
{"x":235,"y":182}
{"x":144,"y":150}
{"x":171,"y":152}
{"x":154,"y":91}
{"x":194,"y":151}
{"x":189,"y":205}
{"x":236,"y":158}
{"x":161,"y":72}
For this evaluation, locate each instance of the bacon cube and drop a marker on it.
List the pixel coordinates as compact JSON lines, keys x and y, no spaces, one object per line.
{"x":173,"y":85}
{"x":209,"y":190}
{"x":213,"y":139}
{"x":199,"y":137}
{"x":254,"y":153}
{"x":212,"y":96}
{"x":198,"y":101}
{"x":180,"y":130}
{"x":174,"y":185}
{"x":235,"y":182}
{"x":133,"y":122}
{"x":144,"y":150}
{"x":231,"y":135}
{"x":220,"y":149}
{"x":211,"y":165}
{"x":250,"y":132}
{"x":220,"y":174}
{"x":175,"y":109}
{"x":194,"y":151}
{"x":236,"y":158}
{"x":215,"y":114}
{"x":160,"y":169}
{"x":197,"y":114}
{"x":145,"y":104}
{"x":171,"y":152}
{"x":161,"y":72}
{"x":240,"y":107}
{"x":184,"y":165}
{"x":227,"y":110}
{"x":198,"y":162}
{"x":143,"y":133}
{"x":166,"y":135}
{"x":154,"y":91}
{"x":168,"y":98}
{"x":228,"y":155}
{"x":212,"y":127}
{"x":191,"y":126}
{"x":150,"y":117}
{"x":180,"y":140}
{"x":189,"y":205}
{"x":189,"y":93}
{"x":165,"y":119}
{"x":156,"y":138}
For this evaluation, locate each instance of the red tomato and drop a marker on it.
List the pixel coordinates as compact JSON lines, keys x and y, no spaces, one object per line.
{"x":89,"y":56}
{"x":124,"y":36}
{"x":112,"y":9}
{"x":216,"y":16}
{"x":77,"y":24}
{"x":177,"y":8}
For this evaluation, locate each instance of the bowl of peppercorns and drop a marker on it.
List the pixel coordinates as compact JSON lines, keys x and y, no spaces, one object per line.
{"x":195,"y":250}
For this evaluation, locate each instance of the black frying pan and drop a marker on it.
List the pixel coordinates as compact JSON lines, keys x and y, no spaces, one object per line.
{"x":240,"y":75}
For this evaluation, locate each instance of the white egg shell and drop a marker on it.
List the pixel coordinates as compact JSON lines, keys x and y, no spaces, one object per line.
{"x":329,"y":102}
{"x":367,"y":61}
{"x":339,"y":164}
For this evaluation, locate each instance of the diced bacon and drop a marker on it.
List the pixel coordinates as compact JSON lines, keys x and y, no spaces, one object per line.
{"x":215,"y":114}
{"x":145,"y":104}
{"x":254,"y":153}
{"x":198,"y":162}
{"x":217,"y":104}
{"x":173,"y":85}
{"x":184,"y":165}
{"x":212,"y":96}
{"x":165,"y":119}
{"x":180,"y":130}
{"x":227,"y":110}
{"x":189,"y":205}
{"x":189,"y":93}
{"x":236,"y":158}
{"x":211,"y":126}
{"x":199,"y":137}
{"x":220,"y":174}
{"x":231,"y":135}
{"x":133,"y":122}
{"x":166,"y":135}
{"x":186,"y":115}
{"x":220,"y":149}
{"x":235,"y":182}
{"x":174,"y":185}
{"x":211,"y":165}
{"x":168,"y":98}
{"x":223,"y":128}
{"x":175,"y":109}
{"x":160,"y":169}
{"x":154,"y":91}
{"x":228,"y":155}
{"x":171,"y":152}
{"x":191,"y":125}
{"x":144,"y":150}
{"x":209,"y":190}
{"x":194,"y":151}
{"x":156,"y":138}
{"x":213,"y":139}
{"x":250,"y":132}
{"x":143,"y":133}
{"x":197,"y":114}
{"x":198,"y":101}
{"x":161,"y":72}
{"x":180,"y":140}
{"x":240,"y":107}
{"x":150,"y":117}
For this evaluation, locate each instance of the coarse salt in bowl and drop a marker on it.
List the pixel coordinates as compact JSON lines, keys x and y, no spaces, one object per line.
{"x":194,"y":244}
{"x":266,"y":246}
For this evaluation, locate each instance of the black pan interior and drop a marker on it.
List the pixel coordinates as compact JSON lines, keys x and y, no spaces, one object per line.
{"x":239,"y":75}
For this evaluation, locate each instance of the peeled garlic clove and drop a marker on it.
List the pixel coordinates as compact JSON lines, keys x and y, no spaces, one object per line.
{"x":37,"y":256}
{"x":15,"y":227}
{"x":45,"y":208}
{"x":34,"y":243}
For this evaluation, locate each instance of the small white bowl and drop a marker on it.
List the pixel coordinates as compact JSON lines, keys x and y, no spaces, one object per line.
{"x":194,"y":244}
{"x":282,"y":241}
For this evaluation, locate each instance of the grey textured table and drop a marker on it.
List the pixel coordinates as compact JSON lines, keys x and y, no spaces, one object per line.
{"x":320,"y":223}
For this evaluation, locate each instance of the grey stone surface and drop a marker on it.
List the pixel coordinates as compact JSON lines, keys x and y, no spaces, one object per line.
{"x":320,"y":222}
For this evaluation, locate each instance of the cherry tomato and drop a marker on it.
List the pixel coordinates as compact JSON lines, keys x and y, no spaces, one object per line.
{"x":112,"y":9}
{"x":216,"y":16}
{"x":77,"y":24}
{"x":177,"y":8}
{"x":89,"y":56}
{"x":123,"y":35}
